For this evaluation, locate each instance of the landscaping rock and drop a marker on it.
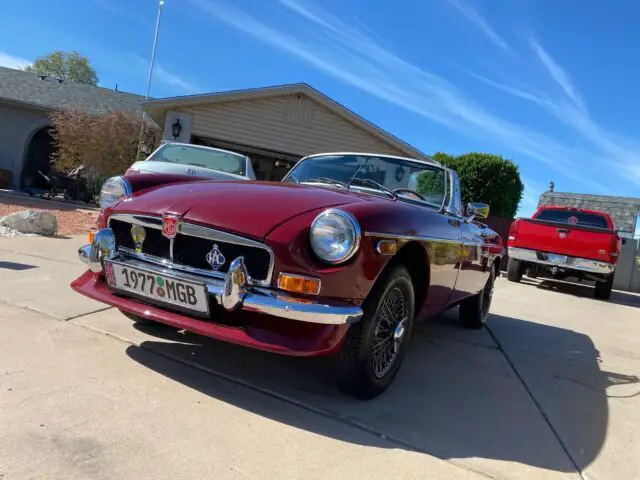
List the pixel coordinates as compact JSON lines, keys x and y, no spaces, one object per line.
{"x":31,"y":221}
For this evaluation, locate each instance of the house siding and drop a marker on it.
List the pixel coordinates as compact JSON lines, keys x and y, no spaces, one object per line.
{"x":17,"y":126}
{"x":285,"y":124}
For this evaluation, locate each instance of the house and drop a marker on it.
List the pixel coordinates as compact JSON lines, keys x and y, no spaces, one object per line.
{"x":275,"y":126}
{"x":26,"y":100}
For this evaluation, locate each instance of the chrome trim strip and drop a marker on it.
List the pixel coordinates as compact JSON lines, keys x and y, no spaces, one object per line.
{"x":197,"y":231}
{"x":573,"y":263}
{"x":412,"y":237}
{"x":260,"y":300}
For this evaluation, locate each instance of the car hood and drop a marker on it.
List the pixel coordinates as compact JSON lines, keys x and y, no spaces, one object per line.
{"x":248,"y":208}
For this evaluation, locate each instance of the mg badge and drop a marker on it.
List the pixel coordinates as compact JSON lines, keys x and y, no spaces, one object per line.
{"x":138,"y":235}
{"x":215,"y":258}
{"x":169,"y":226}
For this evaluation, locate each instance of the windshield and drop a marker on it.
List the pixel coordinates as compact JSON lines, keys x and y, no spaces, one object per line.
{"x":201,"y":157}
{"x":365,"y":171}
{"x":582,"y":219}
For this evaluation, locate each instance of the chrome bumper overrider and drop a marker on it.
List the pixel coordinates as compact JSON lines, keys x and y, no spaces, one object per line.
{"x":572,"y":263}
{"x":233,"y":292}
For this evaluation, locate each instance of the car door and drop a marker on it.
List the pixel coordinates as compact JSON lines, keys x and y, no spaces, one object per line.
{"x":474,"y":260}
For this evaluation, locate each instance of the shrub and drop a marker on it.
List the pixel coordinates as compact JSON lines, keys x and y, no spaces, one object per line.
{"x":106,"y":144}
{"x":487,"y":178}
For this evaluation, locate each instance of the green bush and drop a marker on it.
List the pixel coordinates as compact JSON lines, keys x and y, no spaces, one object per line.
{"x":486,"y":178}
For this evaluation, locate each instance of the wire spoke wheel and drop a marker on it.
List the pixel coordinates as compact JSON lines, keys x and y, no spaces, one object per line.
{"x":389,"y":331}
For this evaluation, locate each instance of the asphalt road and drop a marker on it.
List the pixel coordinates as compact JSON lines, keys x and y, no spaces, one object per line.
{"x":549,"y":390}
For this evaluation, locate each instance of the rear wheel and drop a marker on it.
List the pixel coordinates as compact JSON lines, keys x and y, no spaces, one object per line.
{"x":515,"y":269}
{"x":474,"y":311}
{"x":376,"y":345}
{"x":603,"y":289}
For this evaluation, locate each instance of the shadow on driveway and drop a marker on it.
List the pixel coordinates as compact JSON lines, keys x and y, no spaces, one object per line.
{"x":584,"y":290}
{"x":455,"y":398}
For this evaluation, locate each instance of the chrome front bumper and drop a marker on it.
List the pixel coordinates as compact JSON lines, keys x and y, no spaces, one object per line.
{"x":571,"y":263}
{"x":233,"y":292}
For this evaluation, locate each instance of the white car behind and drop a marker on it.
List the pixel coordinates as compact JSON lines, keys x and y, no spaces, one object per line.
{"x":196,"y":160}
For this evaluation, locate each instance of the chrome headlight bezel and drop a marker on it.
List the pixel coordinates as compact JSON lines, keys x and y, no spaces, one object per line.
{"x":113,"y":189}
{"x":344,"y":220}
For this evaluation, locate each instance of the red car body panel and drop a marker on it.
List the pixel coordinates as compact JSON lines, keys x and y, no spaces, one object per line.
{"x":573,"y":240}
{"x":456,"y":256}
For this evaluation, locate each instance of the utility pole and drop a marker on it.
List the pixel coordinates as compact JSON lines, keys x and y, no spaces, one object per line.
{"x":153,"y":61}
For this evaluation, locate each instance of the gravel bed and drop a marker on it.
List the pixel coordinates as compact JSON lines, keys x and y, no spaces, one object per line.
{"x":71,"y":221}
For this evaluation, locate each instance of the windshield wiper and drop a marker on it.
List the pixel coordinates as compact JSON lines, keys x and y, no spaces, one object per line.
{"x":374,"y":184}
{"x":328,"y":180}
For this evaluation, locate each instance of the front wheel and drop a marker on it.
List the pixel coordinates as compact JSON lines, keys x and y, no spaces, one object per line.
{"x":376,"y":345}
{"x":474,"y":311}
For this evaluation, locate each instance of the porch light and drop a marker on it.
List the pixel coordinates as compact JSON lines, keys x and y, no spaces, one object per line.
{"x":176,"y":128}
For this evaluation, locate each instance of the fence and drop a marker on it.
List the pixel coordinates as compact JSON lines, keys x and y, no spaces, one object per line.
{"x":627,"y":276}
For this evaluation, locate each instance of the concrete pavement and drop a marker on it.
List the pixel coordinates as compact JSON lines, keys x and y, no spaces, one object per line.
{"x":550,"y":390}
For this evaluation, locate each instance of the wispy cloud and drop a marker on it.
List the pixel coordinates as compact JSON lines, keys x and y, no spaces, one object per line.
{"x":478,"y":20}
{"x":600,"y":146}
{"x":557,"y":73}
{"x":322,"y":40}
{"x":138,"y":66}
{"x":174,"y":80}
{"x":11,"y":61}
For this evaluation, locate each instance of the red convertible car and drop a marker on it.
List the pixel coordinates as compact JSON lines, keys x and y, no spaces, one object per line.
{"x":341,"y":258}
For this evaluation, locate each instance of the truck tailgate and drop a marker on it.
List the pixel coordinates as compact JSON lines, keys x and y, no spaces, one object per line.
{"x":572,"y":240}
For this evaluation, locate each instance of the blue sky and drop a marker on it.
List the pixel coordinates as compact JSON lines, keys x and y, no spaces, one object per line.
{"x":552,"y":85}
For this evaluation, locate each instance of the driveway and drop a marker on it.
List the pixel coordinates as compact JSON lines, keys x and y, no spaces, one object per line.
{"x":549,"y":390}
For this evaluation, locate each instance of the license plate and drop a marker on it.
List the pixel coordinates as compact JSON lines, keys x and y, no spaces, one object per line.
{"x":561,"y":259}
{"x":159,"y":287}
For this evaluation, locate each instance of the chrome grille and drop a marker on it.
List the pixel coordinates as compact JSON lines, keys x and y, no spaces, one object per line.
{"x":188,"y":250}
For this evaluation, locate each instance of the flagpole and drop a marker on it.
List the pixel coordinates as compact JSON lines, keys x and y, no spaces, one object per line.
{"x":153,"y":61}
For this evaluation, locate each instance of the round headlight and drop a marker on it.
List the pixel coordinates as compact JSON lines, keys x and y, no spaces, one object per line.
{"x":334,"y":236}
{"x":112,"y":190}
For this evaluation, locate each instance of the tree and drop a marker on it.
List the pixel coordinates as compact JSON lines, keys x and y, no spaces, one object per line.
{"x":485,"y":178}
{"x":69,"y":66}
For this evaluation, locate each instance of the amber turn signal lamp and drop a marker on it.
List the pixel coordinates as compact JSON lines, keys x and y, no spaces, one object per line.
{"x":92,"y":235}
{"x":387,"y":247}
{"x":298,"y":284}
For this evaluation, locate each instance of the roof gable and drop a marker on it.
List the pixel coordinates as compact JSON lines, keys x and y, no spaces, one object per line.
{"x":157,"y":107}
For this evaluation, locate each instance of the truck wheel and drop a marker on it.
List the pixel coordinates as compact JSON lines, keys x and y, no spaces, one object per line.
{"x":603,"y":289}
{"x":515,"y":269}
{"x":474,"y":311}
{"x":376,"y":345}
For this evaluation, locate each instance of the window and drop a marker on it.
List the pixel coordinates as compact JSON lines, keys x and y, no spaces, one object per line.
{"x":210,"y":158}
{"x":573,"y":217}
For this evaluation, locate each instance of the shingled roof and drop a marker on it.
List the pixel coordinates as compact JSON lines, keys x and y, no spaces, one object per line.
{"x":30,"y":89}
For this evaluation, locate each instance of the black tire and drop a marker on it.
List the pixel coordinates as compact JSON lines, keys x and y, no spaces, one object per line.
{"x":474,"y":311}
{"x":532,"y":273}
{"x":515,"y":269}
{"x":137,"y":319}
{"x":360,"y":373}
{"x":603,"y":289}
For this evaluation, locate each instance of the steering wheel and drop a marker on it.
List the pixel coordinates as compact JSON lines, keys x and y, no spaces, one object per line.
{"x":408,"y":190}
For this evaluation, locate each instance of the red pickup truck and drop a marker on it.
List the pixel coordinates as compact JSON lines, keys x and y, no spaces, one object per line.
{"x":562,"y":242}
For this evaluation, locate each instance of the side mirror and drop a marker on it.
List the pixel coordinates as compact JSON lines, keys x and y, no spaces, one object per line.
{"x":477,"y":210}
